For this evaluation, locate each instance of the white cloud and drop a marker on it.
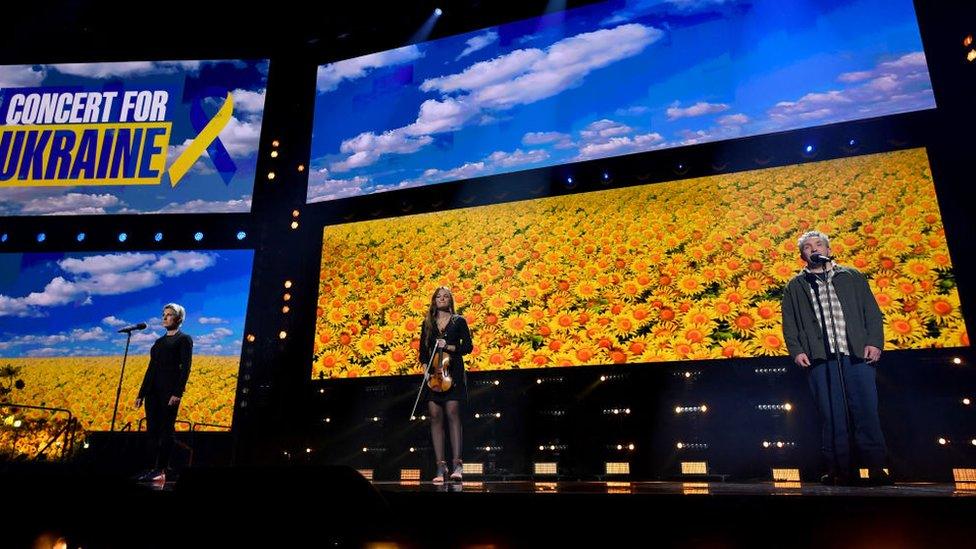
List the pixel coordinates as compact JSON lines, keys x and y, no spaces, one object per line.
{"x":176,"y":263}
{"x":898,"y":85}
{"x":241,"y":138}
{"x":322,"y":187}
{"x":109,"y":274}
{"x":211,"y":320}
{"x":544,"y":138}
{"x":479,"y":42}
{"x":701,"y":108}
{"x":93,"y":334}
{"x":620,"y":145}
{"x":733,"y":120}
{"x":125,"y":69}
{"x":248,"y":101}
{"x":21,"y":76}
{"x":521,"y":77}
{"x":71,"y":204}
{"x":108,"y":263}
{"x":696,"y":5}
{"x":516,"y":158}
{"x":329,"y":76}
{"x":44,"y":352}
{"x":114,"y":322}
{"x":196,"y":206}
{"x":604,"y":129}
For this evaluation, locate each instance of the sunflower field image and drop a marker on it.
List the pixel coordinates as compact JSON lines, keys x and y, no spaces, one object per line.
{"x":86,"y":386}
{"x":684,"y":270}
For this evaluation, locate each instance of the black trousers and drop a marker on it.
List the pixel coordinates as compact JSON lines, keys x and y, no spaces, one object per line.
{"x":160,"y":425}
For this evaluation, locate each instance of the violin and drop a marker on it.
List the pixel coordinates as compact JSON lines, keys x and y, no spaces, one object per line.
{"x":440,"y":372}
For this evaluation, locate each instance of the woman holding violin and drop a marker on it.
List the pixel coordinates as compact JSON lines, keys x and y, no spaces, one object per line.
{"x":444,"y":339}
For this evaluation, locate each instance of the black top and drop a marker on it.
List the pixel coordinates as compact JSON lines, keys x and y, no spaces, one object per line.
{"x":457,"y":334}
{"x":169,"y":366}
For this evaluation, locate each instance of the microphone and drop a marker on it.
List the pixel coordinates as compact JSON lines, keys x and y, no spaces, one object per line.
{"x":815,"y":257}
{"x":132,"y":328}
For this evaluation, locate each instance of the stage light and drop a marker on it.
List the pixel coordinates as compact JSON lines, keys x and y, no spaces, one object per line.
{"x":80,"y":237}
{"x":786,"y":475}
{"x":85,"y":445}
{"x":966,"y":402}
{"x":779,"y":444}
{"x":367,"y":473}
{"x":498,"y":414}
{"x":308,"y":450}
{"x":788,"y":407}
{"x":412,"y":449}
{"x":250,"y":338}
{"x":630,"y":447}
{"x":497,"y":382}
{"x":569,"y":180}
{"x":620,"y":446}
{"x":198,"y":236}
{"x":973,"y":442}
{"x":271,"y":175}
{"x":544,"y":468}
{"x":703,"y":408}
{"x":477,"y":415}
{"x":687,"y":374}
{"x":17,"y":423}
{"x":971,"y":56}
{"x":158,"y":237}
{"x":282,"y":334}
{"x":41,"y":237}
{"x":852,"y":142}
{"x":956,"y":360}
{"x":542,"y":448}
{"x":766,"y":444}
{"x":365,"y":449}
{"x":473,"y":468}
{"x":538,"y":381}
{"x":328,"y":420}
{"x":123,"y":237}
{"x":943,"y":441}
{"x":967,"y":41}
{"x":287,"y":284}
{"x":241,"y":235}
{"x":680,"y":445}
{"x":321,"y":391}
{"x":286,"y":297}
{"x":617,"y":468}
{"x":410,"y":474}
{"x":295,"y":213}
{"x":438,"y":12}
{"x":275,"y":143}
{"x":694,"y":468}
{"x":301,"y":167}
{"x":808,"y":149}
{"x":603,"y":378}
{"x":964,"y":475}
{"x":274,"y":154}
{"x":294,"y":225}
{"x":677,"y":409}
{"x":4,"y":237}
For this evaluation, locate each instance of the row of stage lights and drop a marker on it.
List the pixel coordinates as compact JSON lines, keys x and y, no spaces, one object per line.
{"x":808,"y":151}
{"x":123,"y":236}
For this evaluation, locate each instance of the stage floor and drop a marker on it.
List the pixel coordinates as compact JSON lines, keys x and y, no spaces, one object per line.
{"x":907,"y":490}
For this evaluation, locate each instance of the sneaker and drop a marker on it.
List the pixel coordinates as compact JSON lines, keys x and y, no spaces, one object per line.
{"x":456,"y":474}
{"x":441,"y":472}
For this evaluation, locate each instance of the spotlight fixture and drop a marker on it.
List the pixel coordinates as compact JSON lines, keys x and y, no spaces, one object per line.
{"x":956,"y":360}
{"x":158,"y":237}
{"x":271,"y":176}
{"x":198,"y":236}
{"x":241,"y":235}
{"x":123,"y":237}
{"x":808,"y":149}
{"x":80,"y":237}
{"x":438,"y":12}
{"x":41,"y":237}
{"x":4,"y":237}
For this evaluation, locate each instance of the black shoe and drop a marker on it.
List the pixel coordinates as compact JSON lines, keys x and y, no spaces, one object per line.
{"x":878,"y":477}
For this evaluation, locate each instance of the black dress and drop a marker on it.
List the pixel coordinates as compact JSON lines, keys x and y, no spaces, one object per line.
{"x":457,"y":334}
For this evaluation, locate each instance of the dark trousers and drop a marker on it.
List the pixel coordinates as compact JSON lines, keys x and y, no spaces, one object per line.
{"x":862,"y":402}
{"x":160,"y":425}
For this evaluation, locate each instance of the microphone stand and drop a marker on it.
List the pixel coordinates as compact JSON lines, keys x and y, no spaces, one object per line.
{"x":423,"y":382}
{"x":840,"y":366}
{"x":118,"y":390}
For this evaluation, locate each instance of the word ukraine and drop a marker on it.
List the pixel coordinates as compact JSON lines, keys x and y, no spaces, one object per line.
{"x":84,"y":138}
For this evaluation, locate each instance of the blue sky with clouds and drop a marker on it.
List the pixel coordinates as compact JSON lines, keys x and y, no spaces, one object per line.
{"x":202,"y":190}
{"x":606,"y":80}
{"x":72,"y":304}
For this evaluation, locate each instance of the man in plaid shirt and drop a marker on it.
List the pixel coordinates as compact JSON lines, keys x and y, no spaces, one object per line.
{"x":829,"y":311}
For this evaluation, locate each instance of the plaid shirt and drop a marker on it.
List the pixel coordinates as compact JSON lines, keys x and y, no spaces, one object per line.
{"x":835,"y":320}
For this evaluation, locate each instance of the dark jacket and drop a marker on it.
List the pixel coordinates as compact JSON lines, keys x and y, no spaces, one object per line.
{"x":169,"y":366}
{"x":804,"y":334}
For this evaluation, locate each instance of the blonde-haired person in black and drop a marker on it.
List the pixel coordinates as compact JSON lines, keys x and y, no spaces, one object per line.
{"x":162,"y":387}
{"x":444,"y":329}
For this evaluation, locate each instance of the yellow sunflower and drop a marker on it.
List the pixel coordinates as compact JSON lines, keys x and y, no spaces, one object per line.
{"x":903,"y":330}
{"x":769,"y":342}
{"x":691,"y":284}
{"x":517,"y":325}
{"x":733,"y":348}
{"x":918,"y":269}
{"x":941,"y":308}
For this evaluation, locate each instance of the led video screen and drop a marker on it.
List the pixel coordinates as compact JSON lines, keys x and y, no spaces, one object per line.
{"x":683,"y":270}
{"x":605,"y":80}
{"x":60,"y":315}
{"x":129,"y":138}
